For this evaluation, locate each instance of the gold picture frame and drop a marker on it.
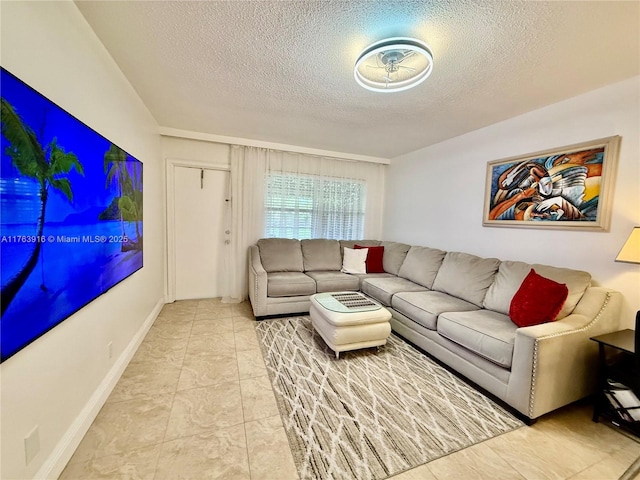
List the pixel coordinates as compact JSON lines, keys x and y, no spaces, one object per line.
{"x":569,"y":187}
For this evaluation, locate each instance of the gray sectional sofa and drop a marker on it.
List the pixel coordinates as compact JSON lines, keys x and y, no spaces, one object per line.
{"x":454,"y":306}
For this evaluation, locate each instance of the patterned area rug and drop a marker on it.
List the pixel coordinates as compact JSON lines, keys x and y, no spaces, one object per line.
{"x":371,"y":414}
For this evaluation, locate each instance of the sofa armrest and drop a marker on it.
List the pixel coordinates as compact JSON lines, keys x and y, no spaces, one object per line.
{"x":257,"y":283}
{"x":556,"y":363}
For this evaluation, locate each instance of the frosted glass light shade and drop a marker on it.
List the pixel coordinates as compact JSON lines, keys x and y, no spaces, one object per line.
{"x":393,"y":65}
{"x":630,"y":252}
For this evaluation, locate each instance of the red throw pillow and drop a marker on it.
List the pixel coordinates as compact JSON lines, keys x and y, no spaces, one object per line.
{"x":374,"y":258}
{"x":538,"y":300}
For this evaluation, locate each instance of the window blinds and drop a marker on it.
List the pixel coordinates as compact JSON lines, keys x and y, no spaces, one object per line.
{"x":313,"y":206}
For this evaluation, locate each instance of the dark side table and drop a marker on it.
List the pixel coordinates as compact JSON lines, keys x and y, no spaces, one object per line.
{"x":617,"y":372}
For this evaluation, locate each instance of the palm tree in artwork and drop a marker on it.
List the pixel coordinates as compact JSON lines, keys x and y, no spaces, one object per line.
{"x":115,"y":166}
{"x":134,"y":204}
{"x":49,"y":166}
{"x":131,"y":213}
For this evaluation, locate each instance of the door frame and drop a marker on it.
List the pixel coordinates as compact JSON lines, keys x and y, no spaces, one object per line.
{"x":171,"y":165}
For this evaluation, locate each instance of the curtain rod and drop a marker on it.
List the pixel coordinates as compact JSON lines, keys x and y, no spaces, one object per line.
{"x":245,"y":142}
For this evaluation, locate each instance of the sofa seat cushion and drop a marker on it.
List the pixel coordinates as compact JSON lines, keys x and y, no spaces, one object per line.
{"x":466,"y":276}
{"x":281,"y":255}
{"x":321,"y":254}
{"x":334,"y":281}
{"x":362,"y":277}
{"x":424,"y":307}
{"x":485,"y":332}
{"x":289,"y":284}
{"x":383,"y":288}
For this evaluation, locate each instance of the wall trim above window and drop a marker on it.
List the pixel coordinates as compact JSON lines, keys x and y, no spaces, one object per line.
{"x":208,"y":137}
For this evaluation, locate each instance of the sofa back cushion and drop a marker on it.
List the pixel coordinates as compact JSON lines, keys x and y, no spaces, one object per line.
{"x":505,"y":285}
{"x":421,"y":265}
{"x":466,"y":276}
{"x":321,"y":254}
{"x":576,"y":281}
{"x":394,"y":255}
{"x":353,"y":243}
{"x":511,"y":275}
{"x":280,"y":255}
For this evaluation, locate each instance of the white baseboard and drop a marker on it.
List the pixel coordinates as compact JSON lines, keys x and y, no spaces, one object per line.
{"x":54,"y":465}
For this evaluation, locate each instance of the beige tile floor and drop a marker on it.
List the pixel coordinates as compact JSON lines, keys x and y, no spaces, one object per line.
{"x":196,"y":403}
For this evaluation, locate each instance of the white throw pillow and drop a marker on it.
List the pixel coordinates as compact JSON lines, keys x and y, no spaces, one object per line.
{"x":354,"y":260}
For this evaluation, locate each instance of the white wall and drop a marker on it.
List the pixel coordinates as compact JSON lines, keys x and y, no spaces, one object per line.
{"x":60,"y":381}
{"x":188,"y":150}
{"x":435,"y":195}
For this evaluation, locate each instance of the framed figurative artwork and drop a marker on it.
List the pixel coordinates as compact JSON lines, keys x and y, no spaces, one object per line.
{"x":569,"y":187}
{"x":70,"y":215}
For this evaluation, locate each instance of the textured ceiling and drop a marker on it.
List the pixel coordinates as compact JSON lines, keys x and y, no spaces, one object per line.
{"x":282,"y":71}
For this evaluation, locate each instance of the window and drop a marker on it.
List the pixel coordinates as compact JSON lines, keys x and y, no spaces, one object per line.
{"x":311,"y":206}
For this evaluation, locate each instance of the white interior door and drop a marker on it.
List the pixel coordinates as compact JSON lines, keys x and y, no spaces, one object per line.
{"x":199,"y":231}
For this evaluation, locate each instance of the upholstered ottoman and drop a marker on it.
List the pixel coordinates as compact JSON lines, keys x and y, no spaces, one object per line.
{"x":349,"y":320}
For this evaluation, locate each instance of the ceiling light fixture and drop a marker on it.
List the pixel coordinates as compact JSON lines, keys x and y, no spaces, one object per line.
{"x":393,"y":64}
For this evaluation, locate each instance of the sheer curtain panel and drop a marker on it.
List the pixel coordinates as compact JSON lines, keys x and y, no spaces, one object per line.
{"x":318,"y":197}
{"x":248,"y":168}
{"x":293,"y":195}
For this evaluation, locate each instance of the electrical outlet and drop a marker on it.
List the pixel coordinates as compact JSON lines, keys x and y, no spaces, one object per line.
{"x":110,"y":348}
{"x":31,"y":445}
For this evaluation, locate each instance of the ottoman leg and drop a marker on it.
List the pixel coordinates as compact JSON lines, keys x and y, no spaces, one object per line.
{"x":337,"y":355}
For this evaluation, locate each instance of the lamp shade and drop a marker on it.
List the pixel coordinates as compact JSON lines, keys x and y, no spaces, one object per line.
{"x":630,"y":252}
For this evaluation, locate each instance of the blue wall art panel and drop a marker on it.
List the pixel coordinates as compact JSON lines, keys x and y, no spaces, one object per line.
{"x":70,"y":215}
